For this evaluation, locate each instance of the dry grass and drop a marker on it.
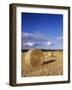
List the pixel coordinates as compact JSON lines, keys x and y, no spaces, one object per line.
{"x":53,"y":65}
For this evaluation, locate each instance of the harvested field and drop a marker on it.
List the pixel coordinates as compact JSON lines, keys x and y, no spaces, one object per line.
{"x":52,"y":65}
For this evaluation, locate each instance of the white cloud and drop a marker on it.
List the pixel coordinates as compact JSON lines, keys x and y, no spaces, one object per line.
{"x":24,"y":34}
{"x":29,"y":43}
{"x":36,"y":34}
{"x":36,"y":40}
{"x":49,"y":43}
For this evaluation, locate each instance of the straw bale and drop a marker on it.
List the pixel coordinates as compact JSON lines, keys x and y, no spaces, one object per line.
{"x":34,"y":57}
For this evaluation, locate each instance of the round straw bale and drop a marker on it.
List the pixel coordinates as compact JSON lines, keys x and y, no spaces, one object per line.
{"x":34,"y":57}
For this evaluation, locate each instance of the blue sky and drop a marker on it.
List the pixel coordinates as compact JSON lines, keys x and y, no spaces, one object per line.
{"x":44,"y":31}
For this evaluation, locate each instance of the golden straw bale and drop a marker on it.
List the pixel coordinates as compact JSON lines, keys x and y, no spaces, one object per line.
{"x":34,"y":57}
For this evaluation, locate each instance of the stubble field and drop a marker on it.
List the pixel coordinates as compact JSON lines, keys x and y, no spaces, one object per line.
{"x":52,"y":65}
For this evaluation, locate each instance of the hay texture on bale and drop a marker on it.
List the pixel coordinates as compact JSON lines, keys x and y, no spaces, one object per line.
{"x":34,"y":57}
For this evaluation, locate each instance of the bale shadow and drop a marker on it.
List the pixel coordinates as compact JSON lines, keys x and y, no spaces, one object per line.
{"x":47,"y":62}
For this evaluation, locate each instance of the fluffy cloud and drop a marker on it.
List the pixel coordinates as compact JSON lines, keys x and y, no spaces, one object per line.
{"x":29,"y":43}
{"x":34,"y":40}
{"x":35,"y":35}
{"x":40,"y":40}
{"x":49,"y":43}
